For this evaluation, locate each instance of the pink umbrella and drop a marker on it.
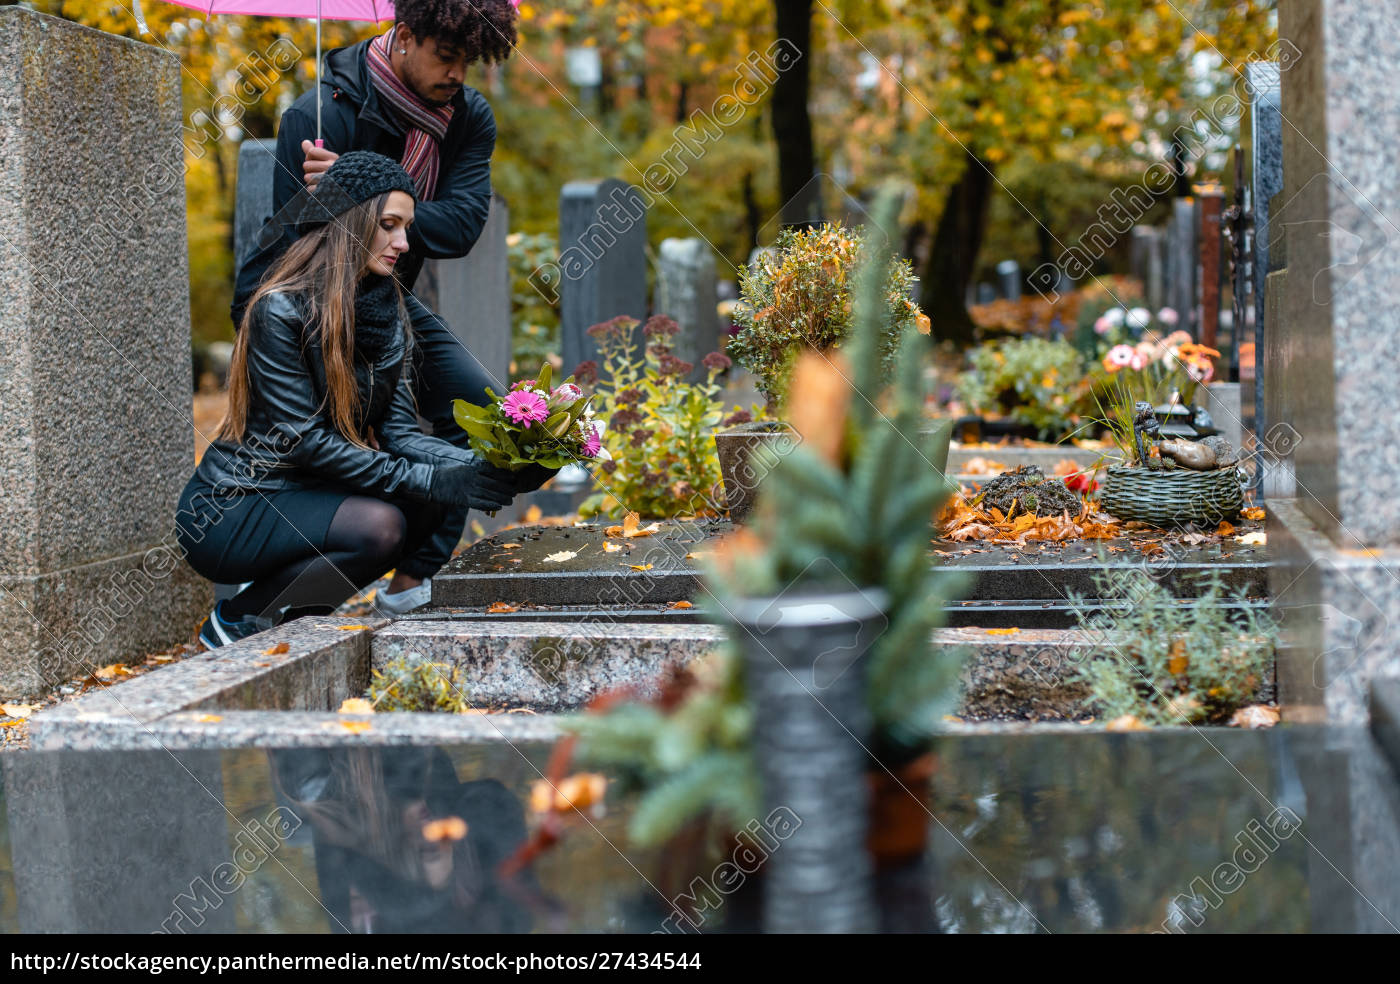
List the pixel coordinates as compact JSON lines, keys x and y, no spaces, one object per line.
{"x":346,"y":10}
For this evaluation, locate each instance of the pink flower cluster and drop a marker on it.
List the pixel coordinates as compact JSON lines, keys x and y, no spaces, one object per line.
{"x":525,"y":407}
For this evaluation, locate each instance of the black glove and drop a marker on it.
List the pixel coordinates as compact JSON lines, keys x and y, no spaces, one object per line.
{"x":532,"y":477}
{"x":477,"y":485}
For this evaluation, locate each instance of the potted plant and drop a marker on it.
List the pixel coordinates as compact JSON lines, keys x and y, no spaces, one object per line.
{"x":830,"y":600}
{"x":1033,"y":384}
{"x":798,"y":296}
{"x":1165,"y":480}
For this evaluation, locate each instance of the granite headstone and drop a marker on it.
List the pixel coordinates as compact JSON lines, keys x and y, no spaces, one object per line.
{"x":252,"y":198}
{"x":602,"y":261}
{"x":685,"y":291}
{"x":472,"y":294}
{"x":96,"y":430}
{"x":1337,"y":543}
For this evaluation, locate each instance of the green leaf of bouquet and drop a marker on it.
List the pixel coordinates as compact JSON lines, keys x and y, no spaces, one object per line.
{"x":546,"y":374}
{"x":480,"y":432}
{"x":463,"y":413}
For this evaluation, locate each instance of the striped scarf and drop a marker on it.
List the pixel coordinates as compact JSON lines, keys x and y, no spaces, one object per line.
{"x":424,"y":125}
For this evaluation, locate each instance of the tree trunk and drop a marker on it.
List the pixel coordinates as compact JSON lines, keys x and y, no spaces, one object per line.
{"x":752,"y":218}
{"x":952,"y":260}
{"x":682,"y":98}
{"x":792,"y":126}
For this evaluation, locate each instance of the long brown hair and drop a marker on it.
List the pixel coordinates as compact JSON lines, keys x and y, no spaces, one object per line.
{"x":324,"y":266}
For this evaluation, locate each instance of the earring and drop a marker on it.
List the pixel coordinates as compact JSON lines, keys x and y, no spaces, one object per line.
{"x":403,"y":51}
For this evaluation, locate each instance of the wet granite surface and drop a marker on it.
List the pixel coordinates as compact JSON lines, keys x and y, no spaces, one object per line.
{"x":512,"y":568}
{"x":1059,"y":828}
{"x":515,"y":566}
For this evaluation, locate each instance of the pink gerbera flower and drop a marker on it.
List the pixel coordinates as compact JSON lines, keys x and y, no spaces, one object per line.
{"x":525,"y":407}
{"x":1119,"y":355}
{"x":592,"y":442}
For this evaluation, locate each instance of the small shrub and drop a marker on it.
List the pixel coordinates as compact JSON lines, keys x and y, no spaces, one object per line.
{"x":412,"y":683}
{"x":1169,"y":663}
{"x":1032,"y":381}
{"x":800,"y":296}
{"x":660,"y":428}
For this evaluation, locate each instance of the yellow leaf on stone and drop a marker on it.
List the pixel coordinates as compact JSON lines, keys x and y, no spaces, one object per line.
{"x":1255,"y":539}
{"x":352,"y":628}
{"x":680,"y":604}
{"x":17,"y":710}
{"x":356,"y":705}
{"x":355,"y":726}
{"x":1255,"y":513}
{"x":611,"y":547}
{"x":1127,"y":722}
{"x":1176,"y":658}
{"x":209,"y":718}
{"x":561,"y":556}
{"x":112,"y":671}
{"x":639,"y":567}
{"x":1255,"y":716}
{"x":1002,"y":631}
{"x":276,"y":650}
{"x":10,"y":724}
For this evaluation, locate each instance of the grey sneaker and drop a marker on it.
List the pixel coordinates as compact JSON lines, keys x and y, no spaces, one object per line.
{"x":401,"y":602}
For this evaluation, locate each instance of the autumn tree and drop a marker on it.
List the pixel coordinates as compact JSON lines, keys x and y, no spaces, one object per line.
{"x":1104,"y":84}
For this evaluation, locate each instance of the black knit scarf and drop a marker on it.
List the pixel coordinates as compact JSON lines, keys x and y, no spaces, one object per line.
{"x":377,"y":326}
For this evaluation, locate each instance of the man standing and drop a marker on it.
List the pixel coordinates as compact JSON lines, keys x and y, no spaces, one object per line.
{"x":402,"y":95}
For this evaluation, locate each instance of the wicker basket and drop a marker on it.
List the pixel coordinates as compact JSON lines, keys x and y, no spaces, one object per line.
{"x":1173,"y":498}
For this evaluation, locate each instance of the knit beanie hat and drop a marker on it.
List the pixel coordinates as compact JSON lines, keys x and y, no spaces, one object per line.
{"x":354,"y":178}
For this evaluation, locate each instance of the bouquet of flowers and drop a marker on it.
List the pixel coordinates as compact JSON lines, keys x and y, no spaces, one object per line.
{"x":1161,"y":370}
{"x":533,"y":425}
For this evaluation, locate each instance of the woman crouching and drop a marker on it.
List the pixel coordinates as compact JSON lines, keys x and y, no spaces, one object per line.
{"x":319,"y":479}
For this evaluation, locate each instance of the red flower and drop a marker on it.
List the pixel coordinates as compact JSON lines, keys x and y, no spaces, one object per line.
{"x":1081,"y":482}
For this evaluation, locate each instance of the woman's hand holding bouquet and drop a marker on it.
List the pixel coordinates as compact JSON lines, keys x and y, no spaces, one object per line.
{"x":533,"y":430}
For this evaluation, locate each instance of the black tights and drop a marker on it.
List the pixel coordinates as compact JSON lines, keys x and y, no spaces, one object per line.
{"x":367,"y":536}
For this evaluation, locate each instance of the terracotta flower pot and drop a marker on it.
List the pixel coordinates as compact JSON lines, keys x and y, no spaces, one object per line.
{"x":898,"y":817}
{"x":746,"y":453}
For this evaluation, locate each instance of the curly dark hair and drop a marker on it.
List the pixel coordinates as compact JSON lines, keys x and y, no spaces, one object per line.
{"x":483,"y":28}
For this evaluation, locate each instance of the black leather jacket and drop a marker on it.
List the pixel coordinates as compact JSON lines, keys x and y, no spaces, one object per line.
{"x":290,"y":441}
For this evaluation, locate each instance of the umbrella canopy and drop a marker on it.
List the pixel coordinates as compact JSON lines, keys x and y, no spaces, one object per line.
{"x":350,"y":10}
